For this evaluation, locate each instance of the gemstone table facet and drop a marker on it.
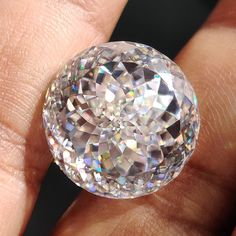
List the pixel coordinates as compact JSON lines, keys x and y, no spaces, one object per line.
{"x":121,"y":120}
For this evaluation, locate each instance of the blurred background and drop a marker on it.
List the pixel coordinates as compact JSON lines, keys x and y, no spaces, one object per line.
{"x":163,"y":24}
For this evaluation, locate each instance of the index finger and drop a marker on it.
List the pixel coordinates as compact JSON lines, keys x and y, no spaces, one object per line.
{"x":36,"y":37}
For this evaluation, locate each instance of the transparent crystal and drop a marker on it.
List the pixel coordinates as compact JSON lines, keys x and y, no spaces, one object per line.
{"x":121,"y":120}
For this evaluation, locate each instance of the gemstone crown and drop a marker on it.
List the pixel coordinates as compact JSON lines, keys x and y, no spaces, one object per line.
{"x":121,"y":119}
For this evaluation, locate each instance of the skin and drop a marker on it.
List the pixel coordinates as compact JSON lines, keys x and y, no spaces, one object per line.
{"x":36,"y":38}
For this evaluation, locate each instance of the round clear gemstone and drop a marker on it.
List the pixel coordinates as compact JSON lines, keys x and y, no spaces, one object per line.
{"x":121,"y":120}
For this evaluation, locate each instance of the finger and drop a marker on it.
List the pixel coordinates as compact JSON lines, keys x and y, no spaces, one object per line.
{"x":234,"y":232}
{"x":200,"y":201}
{"x":36,"y":37}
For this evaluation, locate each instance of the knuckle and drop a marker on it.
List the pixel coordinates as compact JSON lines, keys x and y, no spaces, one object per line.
{"x":92,"y":10}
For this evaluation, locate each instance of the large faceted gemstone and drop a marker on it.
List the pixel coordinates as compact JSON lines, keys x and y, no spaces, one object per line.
{"x":121,"y":120}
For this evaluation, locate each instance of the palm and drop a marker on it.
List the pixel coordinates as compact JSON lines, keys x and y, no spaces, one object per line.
{"x":39,"y":35}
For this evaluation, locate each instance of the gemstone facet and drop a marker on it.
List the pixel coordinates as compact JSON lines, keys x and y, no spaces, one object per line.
{"x":121,"y":120}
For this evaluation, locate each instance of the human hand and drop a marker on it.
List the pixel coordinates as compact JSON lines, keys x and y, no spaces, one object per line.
{"x":38,"y":36}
